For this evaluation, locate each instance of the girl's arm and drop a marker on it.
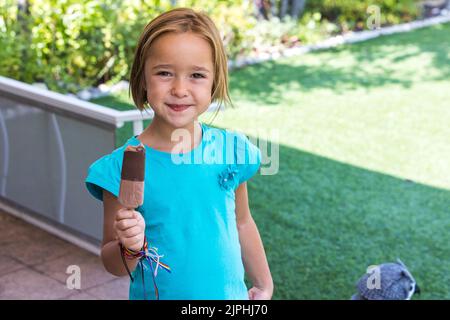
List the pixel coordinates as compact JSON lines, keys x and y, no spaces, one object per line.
{"x":110,"y":254}
{"x":253,"y":255}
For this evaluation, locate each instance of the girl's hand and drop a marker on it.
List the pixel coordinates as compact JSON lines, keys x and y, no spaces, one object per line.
{"x":259,"y":294}
{"x":129,"y":227}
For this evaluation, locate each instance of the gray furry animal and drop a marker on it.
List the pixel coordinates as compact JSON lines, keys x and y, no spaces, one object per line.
{"x":387,"y":281}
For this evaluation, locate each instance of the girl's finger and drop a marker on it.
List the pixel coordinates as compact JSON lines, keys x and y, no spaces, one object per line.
{"x":134,"y":241}
{"x":126,"y":224}
{"x":128,"y":242}
{"x":131,"y":232}
{"x":124,"y":213}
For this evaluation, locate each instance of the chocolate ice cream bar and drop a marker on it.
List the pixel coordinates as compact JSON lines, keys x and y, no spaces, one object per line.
{"x":131,"y":194}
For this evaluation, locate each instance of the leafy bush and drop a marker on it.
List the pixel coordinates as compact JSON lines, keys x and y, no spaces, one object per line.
{"x":351,"y":15}
{"x":13,"y":44}
{"x":73,"y":44}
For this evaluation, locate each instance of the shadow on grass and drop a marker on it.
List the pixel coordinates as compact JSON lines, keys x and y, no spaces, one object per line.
{"x":370,"y":64}
{"x":433,"y":40}
{"x":324,"y":222}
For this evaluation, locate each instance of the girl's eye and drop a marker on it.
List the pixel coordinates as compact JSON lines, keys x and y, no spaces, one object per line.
{"x":163,"y":73}
{"x":199,"y":75}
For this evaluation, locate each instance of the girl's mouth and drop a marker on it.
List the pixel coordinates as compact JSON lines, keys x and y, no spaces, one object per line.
{"x":178,"y":107}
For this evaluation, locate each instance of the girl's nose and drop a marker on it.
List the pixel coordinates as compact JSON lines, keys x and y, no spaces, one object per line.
{"x":179,"y":88}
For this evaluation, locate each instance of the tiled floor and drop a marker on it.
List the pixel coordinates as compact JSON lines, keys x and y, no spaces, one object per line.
{"x":33,"y":265}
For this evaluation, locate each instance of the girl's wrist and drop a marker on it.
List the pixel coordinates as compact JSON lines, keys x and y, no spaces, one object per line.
{"x":132,"y":253}
{"x":265,"y":286}
{"x":135,"y":248}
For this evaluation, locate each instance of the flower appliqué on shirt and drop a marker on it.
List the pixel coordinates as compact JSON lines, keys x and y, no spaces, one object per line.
{"x":228,"y":178}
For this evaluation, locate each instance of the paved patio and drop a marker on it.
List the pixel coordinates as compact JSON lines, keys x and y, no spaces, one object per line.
{"x":33,"y":265}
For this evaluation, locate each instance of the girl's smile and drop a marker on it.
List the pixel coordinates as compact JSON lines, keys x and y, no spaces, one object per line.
{"x":178,"y":107}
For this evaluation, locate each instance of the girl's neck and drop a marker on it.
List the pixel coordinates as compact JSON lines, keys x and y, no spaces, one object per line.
{"x":158,"y":135}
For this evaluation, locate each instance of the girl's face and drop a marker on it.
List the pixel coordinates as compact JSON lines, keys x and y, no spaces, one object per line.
{"x":179,"y":78}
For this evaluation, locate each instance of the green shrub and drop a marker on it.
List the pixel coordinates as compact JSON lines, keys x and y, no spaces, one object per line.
{"x":73,"y":44}
{"x":350,"y":15}
{"x":13,"y":44}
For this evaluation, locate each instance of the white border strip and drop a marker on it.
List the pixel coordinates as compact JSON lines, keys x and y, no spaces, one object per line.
{"x":51,"y":229}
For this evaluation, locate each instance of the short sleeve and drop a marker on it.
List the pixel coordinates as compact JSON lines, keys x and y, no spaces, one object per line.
{"x":104,"y":173}
{"x":248,"y":158}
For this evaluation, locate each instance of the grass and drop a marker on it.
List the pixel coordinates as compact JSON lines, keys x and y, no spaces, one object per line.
{"x":364,"y":149}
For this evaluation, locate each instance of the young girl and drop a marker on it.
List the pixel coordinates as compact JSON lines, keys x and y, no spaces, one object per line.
{"x":195,"y":212}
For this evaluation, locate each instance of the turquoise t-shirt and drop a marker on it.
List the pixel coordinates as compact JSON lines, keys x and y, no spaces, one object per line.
{"x":189,"y":211}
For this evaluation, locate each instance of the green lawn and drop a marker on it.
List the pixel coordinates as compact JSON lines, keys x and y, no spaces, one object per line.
{"x":364,"y":177}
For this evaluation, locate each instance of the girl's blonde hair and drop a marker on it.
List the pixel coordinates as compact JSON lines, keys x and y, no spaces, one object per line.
{"x":181,"y":20}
